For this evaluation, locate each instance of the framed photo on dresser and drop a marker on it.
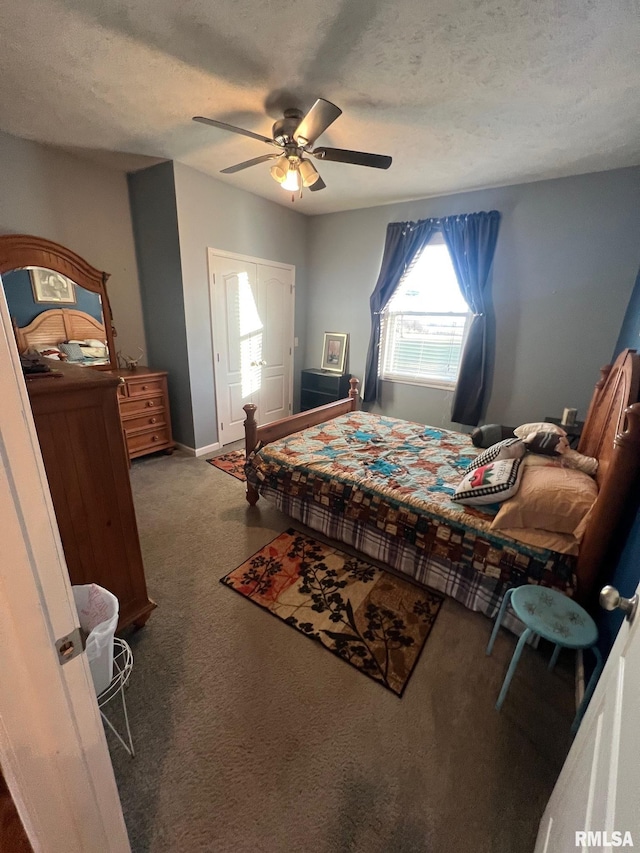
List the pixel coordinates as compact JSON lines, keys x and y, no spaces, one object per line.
{"x":334,"y":351}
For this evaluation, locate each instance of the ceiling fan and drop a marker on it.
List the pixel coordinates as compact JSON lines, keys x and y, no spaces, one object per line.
{"x":295,"y":135}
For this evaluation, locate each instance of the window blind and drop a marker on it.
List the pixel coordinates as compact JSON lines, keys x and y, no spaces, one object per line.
{"x":425,"y":324}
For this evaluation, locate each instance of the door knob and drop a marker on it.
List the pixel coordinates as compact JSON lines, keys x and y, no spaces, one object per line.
{"x":611,"y":599}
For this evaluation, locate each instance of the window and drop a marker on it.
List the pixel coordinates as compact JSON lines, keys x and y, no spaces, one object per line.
{"x":425,"y":324}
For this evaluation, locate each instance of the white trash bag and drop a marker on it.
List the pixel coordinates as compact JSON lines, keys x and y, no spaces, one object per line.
{"x":98,"y":611}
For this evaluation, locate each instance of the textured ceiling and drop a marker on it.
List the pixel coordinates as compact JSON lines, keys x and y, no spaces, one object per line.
{"x":462,"y":93}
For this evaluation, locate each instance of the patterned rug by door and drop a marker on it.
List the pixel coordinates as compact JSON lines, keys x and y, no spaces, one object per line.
{"x":376,"y":621}
{"x":231,"y":463}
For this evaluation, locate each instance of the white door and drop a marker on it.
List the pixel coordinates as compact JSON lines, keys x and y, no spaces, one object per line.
{"x":275,"y":293}
{"x":252,"y":324}
{"x":596,"y":800}
{"x":53,"y":750}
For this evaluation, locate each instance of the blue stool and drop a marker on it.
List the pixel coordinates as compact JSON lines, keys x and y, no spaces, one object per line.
{"x":549,"y":614}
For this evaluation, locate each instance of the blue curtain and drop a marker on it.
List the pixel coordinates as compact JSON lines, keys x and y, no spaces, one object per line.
{"x":471,"y":240}
{"x":405,"y":240}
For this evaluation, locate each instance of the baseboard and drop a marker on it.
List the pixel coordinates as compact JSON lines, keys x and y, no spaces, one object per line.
{"x":210,"y":448}
{"x":198,"y":451}
{"x":190,"y":450}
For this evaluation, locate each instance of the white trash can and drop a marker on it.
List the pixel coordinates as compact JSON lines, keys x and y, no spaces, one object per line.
{"x":98,"y":611}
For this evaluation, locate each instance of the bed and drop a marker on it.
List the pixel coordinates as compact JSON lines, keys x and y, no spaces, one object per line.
{"x":336,"y":470}
{"x":58,"y":325}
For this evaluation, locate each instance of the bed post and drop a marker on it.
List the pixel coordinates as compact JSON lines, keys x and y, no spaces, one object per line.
{"x":353,"y":393}
{"x":250,"y":444}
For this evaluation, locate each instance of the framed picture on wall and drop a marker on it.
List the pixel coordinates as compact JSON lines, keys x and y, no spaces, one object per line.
{"x":50,"y":286}
{"x":334,"y":351}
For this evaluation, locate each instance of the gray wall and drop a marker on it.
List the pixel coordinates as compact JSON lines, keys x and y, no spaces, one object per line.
{"x":54,"y":195}
{"x":565,"y":264}
{"x":214,"y":215}
{"x":155,"y":223}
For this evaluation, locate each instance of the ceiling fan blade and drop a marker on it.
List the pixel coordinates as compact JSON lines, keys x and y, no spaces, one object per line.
{"x":358,"y":158}
{"x":318,"y":185}
{"x":223,"y":126}
{"x":240,"y":166}
{"x":317,"y":120}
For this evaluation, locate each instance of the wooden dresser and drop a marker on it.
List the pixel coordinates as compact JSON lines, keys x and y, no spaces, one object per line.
{"x":144,"y":410}
{"x":78,"y":424}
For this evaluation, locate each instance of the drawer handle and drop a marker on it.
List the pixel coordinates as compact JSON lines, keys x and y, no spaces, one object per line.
{"x":154,"y":438}
{"x":144,"y":387}
{"x":150,"y":404}
{"x":153,"y":420}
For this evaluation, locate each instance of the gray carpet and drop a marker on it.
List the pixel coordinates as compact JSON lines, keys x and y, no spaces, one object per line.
{"x":252,"y":738}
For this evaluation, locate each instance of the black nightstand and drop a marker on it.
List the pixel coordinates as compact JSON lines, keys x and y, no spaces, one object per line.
{"x":573,"y":431}
{"x":318,"y":387}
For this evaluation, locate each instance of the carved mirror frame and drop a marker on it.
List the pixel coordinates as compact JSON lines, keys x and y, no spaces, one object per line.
{"x":18,"y":251}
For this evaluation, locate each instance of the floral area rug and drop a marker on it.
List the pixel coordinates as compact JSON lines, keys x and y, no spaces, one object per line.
{"x":376,"y":621}
{"x":232,"y":463}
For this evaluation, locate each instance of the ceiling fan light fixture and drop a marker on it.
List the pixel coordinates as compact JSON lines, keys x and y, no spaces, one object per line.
{"x":308,"y":173}
{"x":292,"y":180}
{"x":280,"y":169}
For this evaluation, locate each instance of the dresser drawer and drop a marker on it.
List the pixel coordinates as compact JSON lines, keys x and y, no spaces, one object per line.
{"x":324,"y":383}
{"x":318,"y":388}
{"x":132,"y":405}
{"x":145,"y":386}
{"x":146,"y":421}
{"x":150,"y":439}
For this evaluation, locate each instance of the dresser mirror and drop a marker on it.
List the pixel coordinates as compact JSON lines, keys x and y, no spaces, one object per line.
{"x":58,"y":303}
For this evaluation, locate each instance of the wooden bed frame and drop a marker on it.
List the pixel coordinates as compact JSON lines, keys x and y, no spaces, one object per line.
{"x":58,"y":325}
{"x":611,"y":434}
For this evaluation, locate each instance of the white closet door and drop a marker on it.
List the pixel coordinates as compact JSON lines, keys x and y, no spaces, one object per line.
{"x":275,"y":286}
{"x":252,"y":324}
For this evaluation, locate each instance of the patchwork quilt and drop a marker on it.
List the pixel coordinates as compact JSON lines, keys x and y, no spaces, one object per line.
{"x":398,"y":478}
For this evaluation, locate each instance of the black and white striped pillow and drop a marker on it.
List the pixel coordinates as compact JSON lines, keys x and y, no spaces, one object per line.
{"x":510,"y":448}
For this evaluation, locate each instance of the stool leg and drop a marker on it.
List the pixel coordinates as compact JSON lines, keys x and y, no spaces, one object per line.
{"x":512,"y":667}
{"x":591,"y":686}
{"x":554,"y":657}
{"x":505,"y":601}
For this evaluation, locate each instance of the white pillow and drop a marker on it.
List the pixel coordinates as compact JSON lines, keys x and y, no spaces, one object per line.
{"x":47,"y":351}
{"x":94,"y":352}
{"x":490,"y":483}
{"x":569,"y":459}
{"x":526,"y":429}
{"x":573,"y":459}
